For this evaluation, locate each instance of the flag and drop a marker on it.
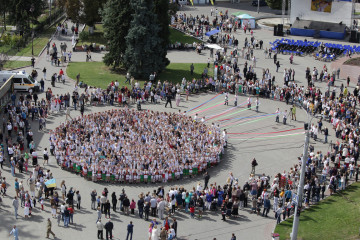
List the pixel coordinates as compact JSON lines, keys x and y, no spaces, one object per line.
{"x":51,"y":183}
{"x":212,"y":2}
{"x":192,"y":3}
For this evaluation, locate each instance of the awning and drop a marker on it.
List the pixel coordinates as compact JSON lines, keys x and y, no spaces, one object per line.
{"x":245,"y":16}
{"x":212,"y":32}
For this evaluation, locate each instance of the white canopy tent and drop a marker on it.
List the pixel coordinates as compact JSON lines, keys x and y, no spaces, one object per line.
{"x":246,"y":19}
{"x":214,"y":46}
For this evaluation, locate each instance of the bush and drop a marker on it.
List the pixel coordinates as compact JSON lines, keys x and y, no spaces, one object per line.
{"x":84,"y":36}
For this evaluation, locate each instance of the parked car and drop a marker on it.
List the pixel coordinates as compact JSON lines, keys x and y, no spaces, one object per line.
{"x":262,"y":3}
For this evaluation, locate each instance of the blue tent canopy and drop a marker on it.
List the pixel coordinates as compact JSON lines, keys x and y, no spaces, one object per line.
{"x":212,"y":32}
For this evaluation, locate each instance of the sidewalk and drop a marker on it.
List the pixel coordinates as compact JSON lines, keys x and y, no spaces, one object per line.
{"x":20,"y":58}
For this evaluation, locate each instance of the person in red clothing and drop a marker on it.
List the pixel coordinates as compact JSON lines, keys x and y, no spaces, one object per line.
{"x":71,"y":211}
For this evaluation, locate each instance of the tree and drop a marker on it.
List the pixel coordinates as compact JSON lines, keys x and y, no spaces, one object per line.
{"x":143,"y":54}
{"x":25,"y":11}
{"x":3,"y":10}
{"x":116,"y":18}
{"x":73,"y":8}
{"x":276,"y":4}
{"x":161,"y":9}
{"x":91,"y":11}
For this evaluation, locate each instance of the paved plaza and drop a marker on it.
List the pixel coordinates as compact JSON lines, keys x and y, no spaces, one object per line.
{"x":274,"y":155}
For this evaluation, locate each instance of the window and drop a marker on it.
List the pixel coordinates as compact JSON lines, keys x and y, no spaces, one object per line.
{"x":27,"y":81}
{"x":17,"y":80}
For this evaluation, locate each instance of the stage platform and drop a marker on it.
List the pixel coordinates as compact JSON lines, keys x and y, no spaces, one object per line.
{"x":318,"y":29}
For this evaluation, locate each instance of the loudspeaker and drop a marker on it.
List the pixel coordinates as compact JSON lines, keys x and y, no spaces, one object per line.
{"x":280,"y":30}
{"x":353,"y":36}
{"x":275,"y":31}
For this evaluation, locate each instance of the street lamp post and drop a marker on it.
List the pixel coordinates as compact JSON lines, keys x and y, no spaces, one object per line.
{"x":258,"y":6}
{"x":300,"y":191}
{"x":32,"y":31}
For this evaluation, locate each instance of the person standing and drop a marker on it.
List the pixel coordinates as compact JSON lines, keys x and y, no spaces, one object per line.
{"x":32,"y":62}
{"x":277,"y":115}
{"x":192,"y":69}
{"x":168,"y":99}
{"x":174,"y":226}
{"x":109,"y":226}
{"x":15,"y":232}
{"x":161,"y":208}
{"x":15,"y":204}
{"x":207,"y":178}
{"x":253,"y":165}
{"x":100,"y":228}
{"x":293,"y":112}
{"x":49,"y":229}
{"x":93,"y":199}
{"x":130,"y":229}
{"x":285,"y":117}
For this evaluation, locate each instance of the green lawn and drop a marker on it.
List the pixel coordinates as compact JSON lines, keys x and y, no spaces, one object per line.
{"x":97,"y":37}
{"x":177,"y":36}
{"x":334,"y":218}
{"x":15,"y":64}
{"x":357,"y":13}
{"x":99,"y":75}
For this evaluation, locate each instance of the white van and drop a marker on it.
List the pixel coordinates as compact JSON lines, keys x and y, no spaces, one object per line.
{"x":22,"y":80}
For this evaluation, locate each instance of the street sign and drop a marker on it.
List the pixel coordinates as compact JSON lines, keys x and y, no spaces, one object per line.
{"x":295,"y":198}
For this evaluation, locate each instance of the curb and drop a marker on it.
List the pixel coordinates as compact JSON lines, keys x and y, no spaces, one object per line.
{"x":50,"y":39}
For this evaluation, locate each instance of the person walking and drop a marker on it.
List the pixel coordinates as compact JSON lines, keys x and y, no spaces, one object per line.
{"x":192,"y":69}
{"x":109,"y":226}
{"x":15,"y":232}
{"x":130,"y":229}
{"x":15,"y":204}
{"x":48,"y":231}
{"x":100,"y":228}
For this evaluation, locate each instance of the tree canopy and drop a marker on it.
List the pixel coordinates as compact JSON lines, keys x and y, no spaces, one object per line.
{"x":116,"y":17}
{"x":138,"y":35}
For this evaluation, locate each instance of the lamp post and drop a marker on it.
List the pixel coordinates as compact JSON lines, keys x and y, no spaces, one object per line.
{"x":32,"y":30}
{"x":258,"y":6}
{"x":300,"y":191}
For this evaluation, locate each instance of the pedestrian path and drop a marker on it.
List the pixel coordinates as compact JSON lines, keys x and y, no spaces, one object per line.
{"x":20,"y":58}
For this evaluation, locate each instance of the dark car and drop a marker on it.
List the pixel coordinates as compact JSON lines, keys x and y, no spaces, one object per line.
{"x":262,"y":3}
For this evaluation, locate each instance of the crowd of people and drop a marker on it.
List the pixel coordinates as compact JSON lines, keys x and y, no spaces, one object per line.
{"x":119,"y":145}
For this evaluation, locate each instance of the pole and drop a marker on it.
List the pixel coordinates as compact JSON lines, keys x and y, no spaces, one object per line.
{"x":50,"y":13}
{"x":32,"y":41}
{"x":258,"y":6}
{"x":283,"y":11}
{"x":301,"y":187}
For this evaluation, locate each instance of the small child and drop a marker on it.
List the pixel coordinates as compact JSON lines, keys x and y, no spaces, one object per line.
{"x":42,"y":204}
{"x":99,"y":214}
{"x":98,"y":201}
{"x":192,"y":211}
{"x":58,"y":219}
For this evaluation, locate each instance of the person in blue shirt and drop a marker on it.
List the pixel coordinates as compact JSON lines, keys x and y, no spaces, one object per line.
{"x":130,"y":229}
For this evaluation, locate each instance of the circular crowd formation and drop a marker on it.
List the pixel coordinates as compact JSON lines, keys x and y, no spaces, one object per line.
{"x":136,"y":146}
